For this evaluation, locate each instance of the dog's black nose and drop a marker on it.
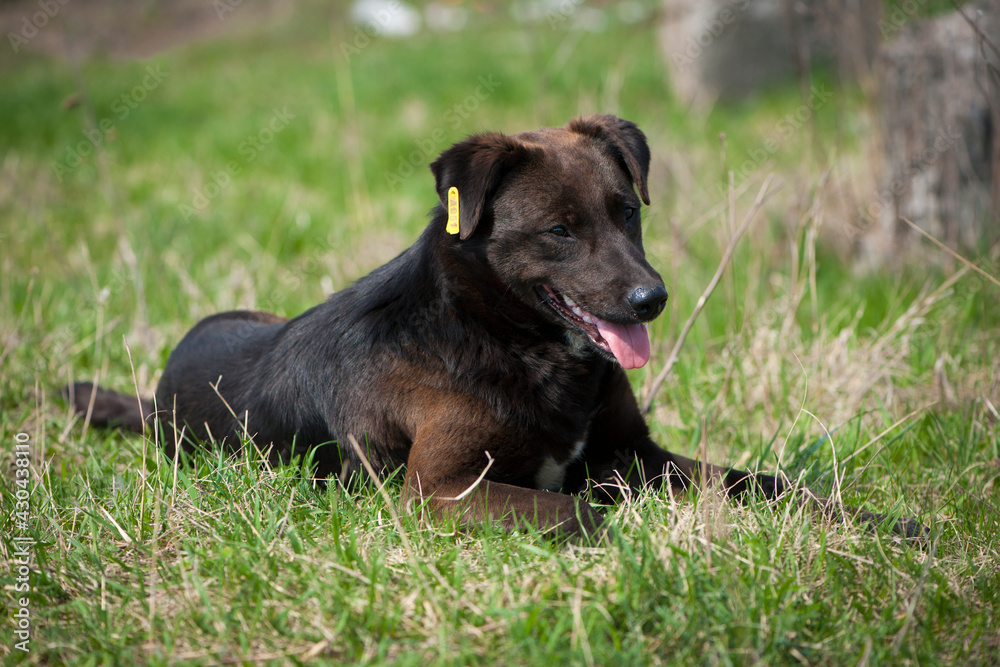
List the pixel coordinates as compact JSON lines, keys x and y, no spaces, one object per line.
{"x":648,"y":302}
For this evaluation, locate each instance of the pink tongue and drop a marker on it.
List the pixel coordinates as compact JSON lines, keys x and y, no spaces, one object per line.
{"x":629,"y":344}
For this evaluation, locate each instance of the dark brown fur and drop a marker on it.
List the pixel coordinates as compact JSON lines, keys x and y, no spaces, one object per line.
{"x":451,"y":354}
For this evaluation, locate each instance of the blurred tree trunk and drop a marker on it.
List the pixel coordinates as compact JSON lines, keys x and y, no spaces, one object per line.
{"x":729,"y":49}
{"x":939,"y":96}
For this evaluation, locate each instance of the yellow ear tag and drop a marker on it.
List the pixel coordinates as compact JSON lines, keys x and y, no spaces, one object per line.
{"x":452,"y":227}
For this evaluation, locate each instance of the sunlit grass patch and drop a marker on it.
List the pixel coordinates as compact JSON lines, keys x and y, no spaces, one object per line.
{"x":881,"y":388}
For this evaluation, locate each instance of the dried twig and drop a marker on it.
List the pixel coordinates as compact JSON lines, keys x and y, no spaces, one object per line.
{"x":952,"y":252}
{"x":472,"y":487}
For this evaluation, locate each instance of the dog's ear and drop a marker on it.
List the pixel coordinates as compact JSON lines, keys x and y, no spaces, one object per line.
{"x":626,"y":142}
{"x":475,"y":167}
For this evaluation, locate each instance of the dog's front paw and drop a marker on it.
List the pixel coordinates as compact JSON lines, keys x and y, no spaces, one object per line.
{"x":906,"y":527}
{"x":738,"y":483}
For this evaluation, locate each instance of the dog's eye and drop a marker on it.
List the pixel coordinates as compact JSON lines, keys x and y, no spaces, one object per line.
{"x":559,"y":230}
{"x":629,"y":213}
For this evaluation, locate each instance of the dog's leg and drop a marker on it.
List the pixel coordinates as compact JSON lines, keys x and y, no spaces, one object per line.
{"x":651,"y":464}
{"x":507,"y":506}
{"x":446,"y":465}
{"x":620,"y":454}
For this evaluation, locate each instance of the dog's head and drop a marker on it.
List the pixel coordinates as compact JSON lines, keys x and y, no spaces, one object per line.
{"x":555,"y":215}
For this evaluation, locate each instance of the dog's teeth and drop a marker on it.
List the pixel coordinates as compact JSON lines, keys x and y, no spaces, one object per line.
{"x":578,"y":312}
{"x":570,"y":302}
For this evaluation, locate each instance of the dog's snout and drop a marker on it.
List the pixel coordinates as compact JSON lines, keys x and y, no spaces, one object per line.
{"x":648,"y":301}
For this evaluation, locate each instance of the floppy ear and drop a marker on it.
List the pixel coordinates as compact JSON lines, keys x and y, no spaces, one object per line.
{"x":626,"y":142}
{"x":475,"y":166}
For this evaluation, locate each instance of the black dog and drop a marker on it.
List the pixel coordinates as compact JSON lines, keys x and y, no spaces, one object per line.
{"x":497,"y":343}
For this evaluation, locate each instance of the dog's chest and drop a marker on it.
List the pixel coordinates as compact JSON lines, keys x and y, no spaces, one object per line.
{"x":575,"y":383}
{"x":552,"y":472}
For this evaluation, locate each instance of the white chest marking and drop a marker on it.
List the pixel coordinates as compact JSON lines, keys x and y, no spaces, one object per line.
{"x":551,"y":474}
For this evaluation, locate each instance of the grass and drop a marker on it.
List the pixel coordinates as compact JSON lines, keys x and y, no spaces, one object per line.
{"x":879,"y":384}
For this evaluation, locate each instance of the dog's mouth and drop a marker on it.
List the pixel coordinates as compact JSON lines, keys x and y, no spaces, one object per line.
{"x":627,"y":343}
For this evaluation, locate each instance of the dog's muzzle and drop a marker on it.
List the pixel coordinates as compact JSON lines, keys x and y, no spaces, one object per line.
{"x":628,"y":344}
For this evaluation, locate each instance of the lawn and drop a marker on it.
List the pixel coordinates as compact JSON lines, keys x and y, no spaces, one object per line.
{"x":275,"y":164}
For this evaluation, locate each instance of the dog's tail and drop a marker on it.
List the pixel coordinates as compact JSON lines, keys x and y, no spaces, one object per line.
{"x":108,"y":408}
